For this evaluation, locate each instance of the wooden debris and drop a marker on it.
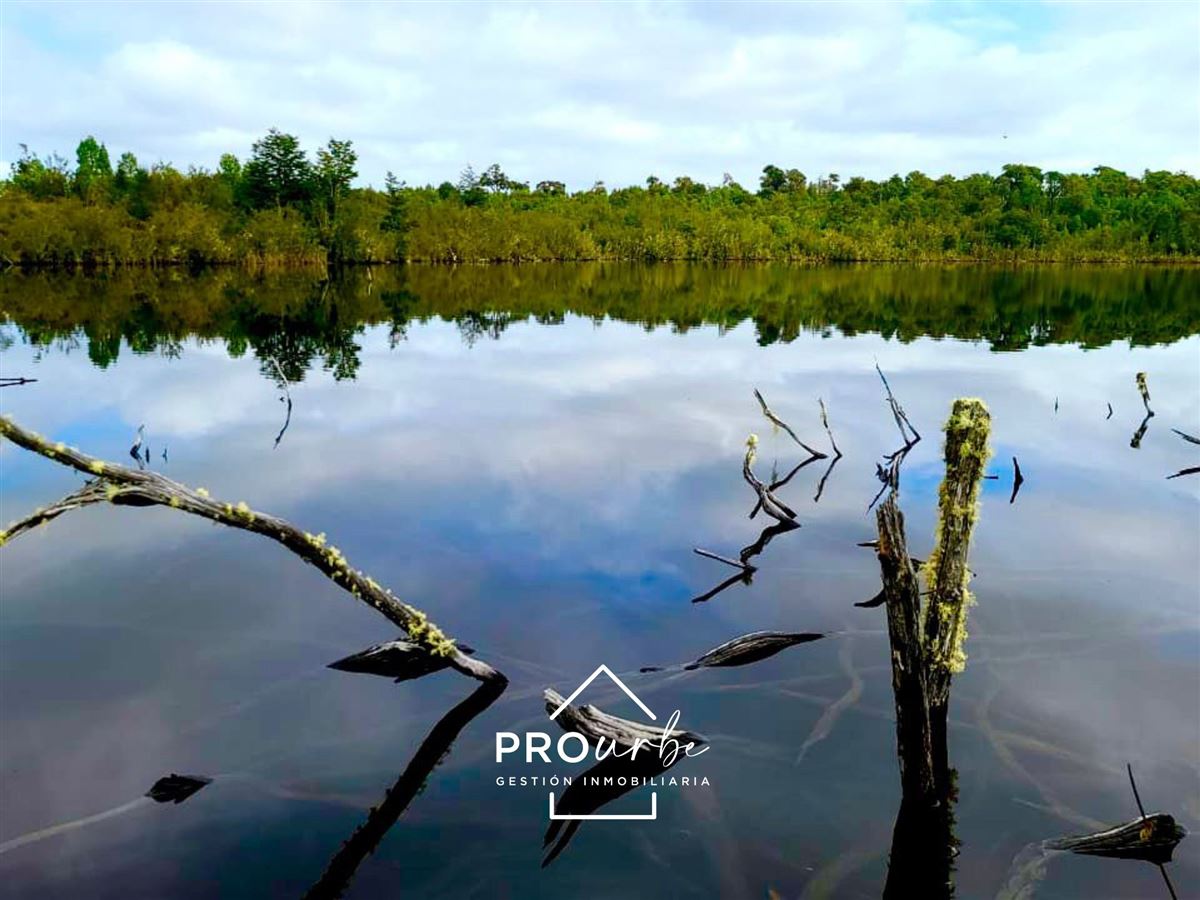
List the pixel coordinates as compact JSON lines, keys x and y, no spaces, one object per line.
{"x":176,"y":788}
{"x":751,"y":648}
{"x":1151,"y":838}
{"x":1191,"y":470}
{"x":400,"y":659}
{"x":725,"y":559}
{"x":779,"y":423}
{"x":136,"y":487}
{"x":597,"y":725}
{"x":878,"y":600}
{"x":1187,"y":437}
{"x":15,"y":382}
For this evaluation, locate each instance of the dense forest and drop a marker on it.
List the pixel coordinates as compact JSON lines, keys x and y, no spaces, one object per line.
{"x":299,"y":320}
{"x":281,"y":208}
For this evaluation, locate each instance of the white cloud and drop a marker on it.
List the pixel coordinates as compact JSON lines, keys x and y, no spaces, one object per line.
{"x":616,"y":91}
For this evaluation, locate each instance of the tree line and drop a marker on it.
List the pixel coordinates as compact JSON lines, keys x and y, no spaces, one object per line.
{"x":281,"y":207}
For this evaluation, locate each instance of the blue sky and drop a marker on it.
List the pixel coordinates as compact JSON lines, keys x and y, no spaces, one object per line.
{"x":614,"y":91}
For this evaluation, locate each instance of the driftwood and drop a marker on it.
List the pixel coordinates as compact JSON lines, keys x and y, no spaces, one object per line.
{"x":366,"y":837}
{"x":779,"y":423}
{"x":1110,"y":413}
{"x":837,"y":454}
{"x":1187,"y":437}
{"x":15,"y":382}
{"x":725,"y":559}
{"x":1151,"y":838}
{"x":122,"y":485}
{"x":400,"y":660}
{"x":176,"y":788}
{"x":1190,"y":470}
{"x":751,"y":648}
{"x":768,"y":502}
{"x":597,"y":725}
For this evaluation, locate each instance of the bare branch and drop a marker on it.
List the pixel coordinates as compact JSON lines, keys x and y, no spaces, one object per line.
{"x":134,"y":487}
{"x":779,"y":423}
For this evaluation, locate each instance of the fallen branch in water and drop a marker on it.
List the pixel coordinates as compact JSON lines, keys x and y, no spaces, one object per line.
{"x":1191,"y":470}
{"x":596,"y":725}
{"x":837,"y":454}
{"x":124,"y":486}
{"x":725,"y":559}
{"x":15,"y":382}
{"x":779,"y":423}
{"x":751,"y":648}
{"x":767,"y":501}
{"x":1187,"y":437}
{"x":1110,"y":413}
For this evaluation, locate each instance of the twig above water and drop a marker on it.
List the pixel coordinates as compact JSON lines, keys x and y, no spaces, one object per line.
{"x":779,"y":423}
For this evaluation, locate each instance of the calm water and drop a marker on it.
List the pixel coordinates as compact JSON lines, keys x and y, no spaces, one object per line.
{"x":530,"y":455}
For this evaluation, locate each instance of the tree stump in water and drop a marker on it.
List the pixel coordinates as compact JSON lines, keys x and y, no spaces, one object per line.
{"x":926,"y":652}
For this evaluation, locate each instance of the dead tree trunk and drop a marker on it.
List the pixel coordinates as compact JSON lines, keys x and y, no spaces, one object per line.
{"x":926,"y":652}
{"x":946,"y":572}
{"x":902,"y":594}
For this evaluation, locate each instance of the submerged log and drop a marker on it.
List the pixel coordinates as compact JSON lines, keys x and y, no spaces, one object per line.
{"x":1152,"y":838}
{"x":176,"y":788}
{"x":597,"y":725}
{"x":751,"y":648}
{"x":401,"y":660}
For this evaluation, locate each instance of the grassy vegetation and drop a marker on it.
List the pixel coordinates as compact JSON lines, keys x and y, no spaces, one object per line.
{"x":279,"y":209}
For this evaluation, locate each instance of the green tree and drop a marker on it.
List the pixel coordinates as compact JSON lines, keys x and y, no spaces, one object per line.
{"x":335,"y":171}
{"x":93,"y":171}
{"x":278,"y":173}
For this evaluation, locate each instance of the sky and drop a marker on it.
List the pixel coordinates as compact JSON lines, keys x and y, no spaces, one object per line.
{"x":580,"y":92}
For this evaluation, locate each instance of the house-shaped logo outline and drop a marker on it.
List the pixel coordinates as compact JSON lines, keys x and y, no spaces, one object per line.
{"x":653,"y":814}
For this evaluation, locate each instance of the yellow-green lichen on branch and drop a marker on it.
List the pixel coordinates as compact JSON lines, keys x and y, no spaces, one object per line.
{"x":945,"y":571}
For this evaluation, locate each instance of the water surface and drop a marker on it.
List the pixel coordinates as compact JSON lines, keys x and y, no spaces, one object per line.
{"x":530,"y":455}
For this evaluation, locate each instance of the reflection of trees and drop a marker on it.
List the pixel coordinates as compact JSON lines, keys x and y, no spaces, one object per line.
{"x":299,"y":319}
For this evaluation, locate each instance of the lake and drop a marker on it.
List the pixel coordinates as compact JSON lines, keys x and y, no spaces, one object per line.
{"x":530,"y":455}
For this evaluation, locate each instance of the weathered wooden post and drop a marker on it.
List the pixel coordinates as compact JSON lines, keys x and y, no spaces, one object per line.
{"x":926,"y":652}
